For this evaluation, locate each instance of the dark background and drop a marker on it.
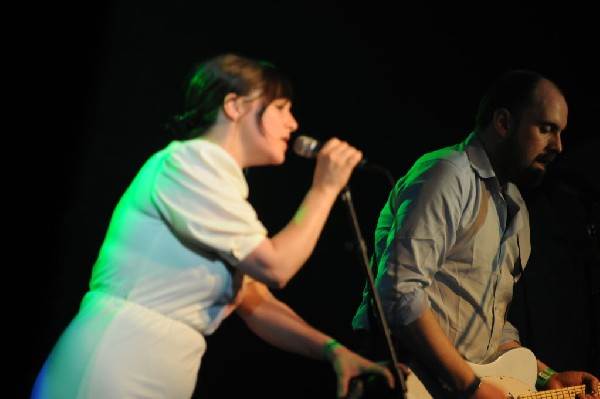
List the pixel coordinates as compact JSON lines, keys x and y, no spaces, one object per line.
{"x":393,"y":79}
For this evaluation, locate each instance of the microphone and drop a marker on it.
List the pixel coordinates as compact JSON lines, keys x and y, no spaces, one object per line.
{"x":309,"y":147}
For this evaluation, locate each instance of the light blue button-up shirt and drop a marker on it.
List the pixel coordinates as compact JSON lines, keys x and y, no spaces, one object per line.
{"x":450,"y":238}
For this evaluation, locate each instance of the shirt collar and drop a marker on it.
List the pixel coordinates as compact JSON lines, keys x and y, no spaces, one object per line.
{"x":480,"y":162}
{"x":478,"y":157}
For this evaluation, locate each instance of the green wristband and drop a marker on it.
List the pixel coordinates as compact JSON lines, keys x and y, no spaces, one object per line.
{"x":329,"y":347}
{"x":543,"y":377}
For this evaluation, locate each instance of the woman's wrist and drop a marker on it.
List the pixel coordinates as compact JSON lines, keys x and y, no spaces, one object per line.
{"x":330,"y":346}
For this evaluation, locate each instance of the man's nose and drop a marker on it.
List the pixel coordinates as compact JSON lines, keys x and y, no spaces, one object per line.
{"x":556,"y":143}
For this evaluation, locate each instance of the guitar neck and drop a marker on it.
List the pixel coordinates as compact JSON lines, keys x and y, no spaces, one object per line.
{"x":563,"y":393}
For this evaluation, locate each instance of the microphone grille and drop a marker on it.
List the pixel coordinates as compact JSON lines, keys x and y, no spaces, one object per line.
{"x":306,"y":146}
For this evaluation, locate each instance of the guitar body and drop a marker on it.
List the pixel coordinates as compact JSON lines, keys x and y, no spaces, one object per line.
{"x":513,"y":371}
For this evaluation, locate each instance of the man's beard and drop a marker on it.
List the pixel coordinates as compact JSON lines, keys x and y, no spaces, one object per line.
{"x":524,"y":176}
{"x":529,"y":178}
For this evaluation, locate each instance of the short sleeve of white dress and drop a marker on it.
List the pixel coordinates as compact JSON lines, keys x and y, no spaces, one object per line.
{"x":202,"y":194}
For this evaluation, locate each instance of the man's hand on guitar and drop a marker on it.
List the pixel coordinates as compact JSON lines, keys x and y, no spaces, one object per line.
{"x":573,"y":378}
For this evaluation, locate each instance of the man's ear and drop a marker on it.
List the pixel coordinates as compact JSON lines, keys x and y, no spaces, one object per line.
{"x":501,"y":121}
{"x":231,"y":106}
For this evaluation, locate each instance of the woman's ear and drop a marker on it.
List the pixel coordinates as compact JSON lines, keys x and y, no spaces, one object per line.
{"x":231,"y":106}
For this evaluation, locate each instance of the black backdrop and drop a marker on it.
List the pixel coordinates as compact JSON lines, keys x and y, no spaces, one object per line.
{"x":394,"y":80}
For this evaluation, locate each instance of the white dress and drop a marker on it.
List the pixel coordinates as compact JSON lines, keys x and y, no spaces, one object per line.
{"x":161,"y":282}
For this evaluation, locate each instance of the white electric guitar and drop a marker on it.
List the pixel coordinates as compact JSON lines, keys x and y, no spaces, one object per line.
{"x":513,"y":371}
